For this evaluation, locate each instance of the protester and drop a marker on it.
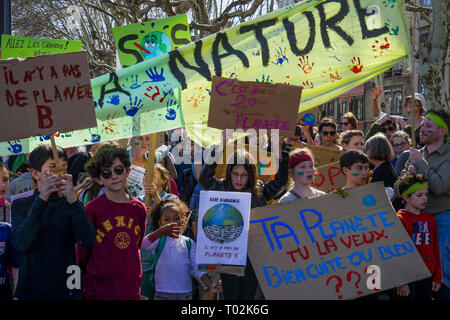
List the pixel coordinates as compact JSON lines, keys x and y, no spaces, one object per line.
{"x":9,"y":260}
{"x":354,"y":165}
{"x":328,"y":134}
{"x":78,"y":158}
{"x":5,"y":206}
{"x":421,"y":226}
{"x":243,"y":178}
{"x":159,"y":190}
{"x":385,"y":124}
{"x":176,"y":253}
{"x":301,"y":174}
{"x":352,"y":140}
{"x":46,"y":226}
{"x":21,"y":184}
{"x":416,"y":116}
{"x":379,"y":151}
{"x":433,"y":162}
{"x":112,"y":267}
{"x":401,"y":142}
{"x":349,"y":122}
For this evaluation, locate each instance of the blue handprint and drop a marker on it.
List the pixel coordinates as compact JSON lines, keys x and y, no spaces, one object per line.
{"x":134,"y":107}
{"x":115,"y":100}
{"x":16,"y":147}
{"x":44,"y":138}
{"x":154,"y":75}
{"x":171,"y":112}
{"x":133,"y":80}
{"x":95,"y":138}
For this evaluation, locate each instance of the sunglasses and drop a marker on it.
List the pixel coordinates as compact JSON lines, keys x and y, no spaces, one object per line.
{"x":390,"y":128}
{"x":118,"y":170}
{"x":326,"y":133}
{"x":345,"y":123}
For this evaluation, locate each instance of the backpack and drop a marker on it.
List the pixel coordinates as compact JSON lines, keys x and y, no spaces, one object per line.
{"x":159,"y":249}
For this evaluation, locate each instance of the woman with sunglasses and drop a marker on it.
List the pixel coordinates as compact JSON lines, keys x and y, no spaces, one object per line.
{"x":243,"y":178}
{"x":112,"y":266}
{"x":385,"y":124}
{"x":328,"y":134}
{"x":349,"y":122}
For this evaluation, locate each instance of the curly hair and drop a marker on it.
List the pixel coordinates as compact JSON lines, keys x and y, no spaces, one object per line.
{"x":172,"y":203}
{"x":407,"y":180}
{"x":104,"y":158}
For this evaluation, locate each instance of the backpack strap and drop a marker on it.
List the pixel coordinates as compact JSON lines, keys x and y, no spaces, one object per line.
{"x":159,"y":249}
{"x":295,"y":193}
{"x":188,"y":245}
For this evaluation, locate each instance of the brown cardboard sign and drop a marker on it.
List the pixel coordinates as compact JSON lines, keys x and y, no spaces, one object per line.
{"x":327,"y":247}
{"x":253,"y":105}
{"x":329,"y":177}
{"x":322,"y":155}
{"x":44,"y":95}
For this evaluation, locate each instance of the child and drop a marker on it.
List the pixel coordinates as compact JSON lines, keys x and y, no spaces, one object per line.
{"x":352,"y":139}
{"x":160,"y":190}
{"x":5,"y":207}
{"x":46,"y":226}
{"x":421,"y":226}
{"x":112,"y":268}
{"x":354,"y":165}
{"x":172,"y":271}
{"x":301,"y":174}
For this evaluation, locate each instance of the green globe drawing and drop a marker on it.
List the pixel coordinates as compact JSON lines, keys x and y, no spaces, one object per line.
{"x":222,"y":223}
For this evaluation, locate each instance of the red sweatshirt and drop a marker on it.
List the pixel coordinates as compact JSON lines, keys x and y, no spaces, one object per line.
{"x":112,"y":267}
{"x":422,"y":229}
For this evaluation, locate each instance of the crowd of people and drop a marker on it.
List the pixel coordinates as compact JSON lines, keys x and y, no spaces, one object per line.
{"x":88,"y":216}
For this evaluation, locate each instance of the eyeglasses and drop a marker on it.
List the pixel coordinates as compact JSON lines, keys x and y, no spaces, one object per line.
{"x":390,"y":128}
{"x":326,"y":133}
{"x":400,"y":145}
{"x":237,"y":175}
{"x":118,"y":170}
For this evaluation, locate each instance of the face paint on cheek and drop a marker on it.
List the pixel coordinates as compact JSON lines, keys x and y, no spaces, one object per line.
{"x":429,"y":131}
{"x":355,"y":174}
{"x":300,"y":173}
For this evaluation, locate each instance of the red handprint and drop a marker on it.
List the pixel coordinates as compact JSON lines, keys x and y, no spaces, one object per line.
{"x":150,"y":88}
{"x":304,"y":64}
{"x":384,"y":46}
{"x":357,"y":66}
{"x":308,"y":85}
{"x":110,"y":123}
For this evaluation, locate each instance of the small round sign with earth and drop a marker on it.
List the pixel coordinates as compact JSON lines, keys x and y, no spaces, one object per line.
{"x":222,"y":223}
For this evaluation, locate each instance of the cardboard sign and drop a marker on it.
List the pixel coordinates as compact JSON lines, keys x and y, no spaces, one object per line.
{"x":222,"y":232}
{"x":143,"y":41}
{"x":23,"y":47}
{"x":45,"y":94}
{"x":329,"y":178}
{"x":135,"y":181}
{"x":325,"y":247}
{"x":247,"y":104}
{"x":322,"y":155}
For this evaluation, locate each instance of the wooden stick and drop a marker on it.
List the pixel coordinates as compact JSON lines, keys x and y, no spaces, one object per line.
{"x":59,"y":170}
{"x":150,"y":167}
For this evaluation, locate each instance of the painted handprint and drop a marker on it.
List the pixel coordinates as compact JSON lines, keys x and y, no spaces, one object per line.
{"x":264,"y":79}
{"x":378,"y":48}
{"x":110,"y":123}
{"x":332,"y":75}
{"x":15,"y":146}
{"x":114,"y":99}
{"x":44,"y":138}
{"x":154,"y":75}
{"x":305,"y":65}
{"x":307,"y":85}
{"x":392,"y":31}
{"x":197,"y":98}
{"x":389,"y":3}
{"x":134,"y":106}
{"x":356,"y":66}
{"x":171,"y":112}
{"x":131,"y":82}
{"x":281,"y":57}
{"x":153,"y":94}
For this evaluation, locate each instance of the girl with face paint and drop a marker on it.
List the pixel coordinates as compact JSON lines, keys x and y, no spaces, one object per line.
{"x":301,"y":175}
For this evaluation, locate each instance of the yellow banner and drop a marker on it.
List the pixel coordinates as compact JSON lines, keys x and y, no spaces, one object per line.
{"x":328,"y":47}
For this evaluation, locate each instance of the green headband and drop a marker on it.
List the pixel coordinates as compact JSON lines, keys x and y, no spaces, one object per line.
{"x":416,"y":186}
{"x":439,"y":122}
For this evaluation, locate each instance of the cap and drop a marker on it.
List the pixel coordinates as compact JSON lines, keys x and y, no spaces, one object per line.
{"x":421,"y":98}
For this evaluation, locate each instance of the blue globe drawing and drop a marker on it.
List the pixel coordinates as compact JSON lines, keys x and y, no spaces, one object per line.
{"x":222,"y":223}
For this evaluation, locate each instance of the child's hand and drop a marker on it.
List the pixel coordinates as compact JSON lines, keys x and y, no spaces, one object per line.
{"x":403,"y":290}
{"x":49,"y":186}
{"x":216,"y":287}
{"x":173,"y":230}
{"x":151,"y":189}
{"x":435,"y":286}
{"x":66,"y":188}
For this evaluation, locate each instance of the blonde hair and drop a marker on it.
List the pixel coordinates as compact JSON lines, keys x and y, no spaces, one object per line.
{"x":165,"y":175}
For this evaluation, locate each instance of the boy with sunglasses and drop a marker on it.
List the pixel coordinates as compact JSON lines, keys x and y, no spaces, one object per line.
{"x":112,"y":268}
{"x":45,"y":228}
